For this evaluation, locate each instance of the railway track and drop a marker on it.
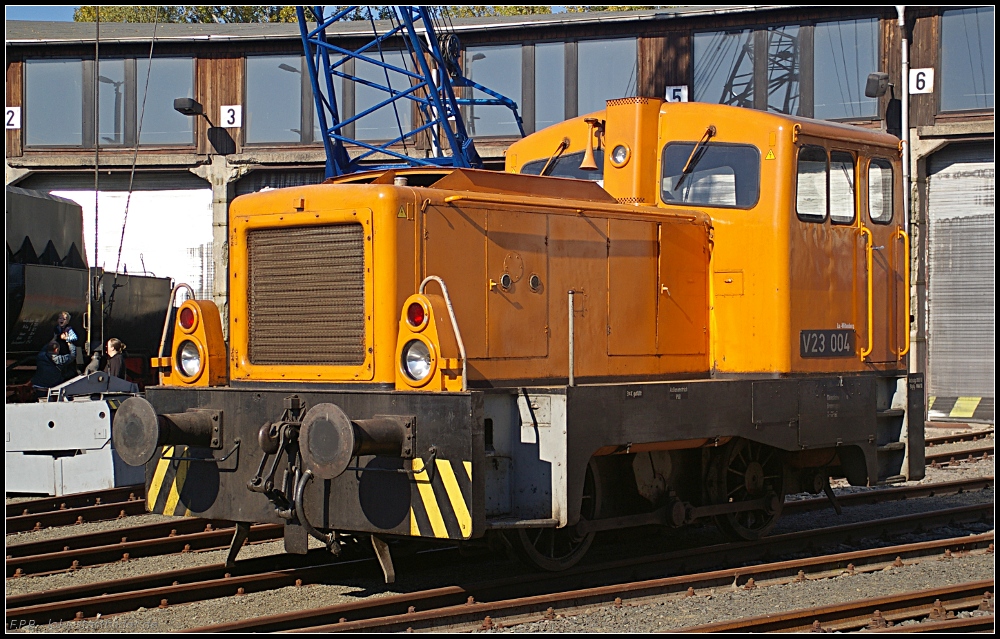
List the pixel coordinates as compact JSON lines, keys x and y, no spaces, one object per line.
{"x":957,"y":457}
{"x":938,"y":605}
{"x":189,"y":535}
{"x":84,"y":508}
{"x":178,"y":587}
{"x":503,"y":603}
{"x":160,"y":539}
{"x":79,"y":500}
{"x":958,"y":438}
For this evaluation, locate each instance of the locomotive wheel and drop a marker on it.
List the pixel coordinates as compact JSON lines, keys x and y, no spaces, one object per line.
{"x":555,"y":549}
{"x":745,"y":470}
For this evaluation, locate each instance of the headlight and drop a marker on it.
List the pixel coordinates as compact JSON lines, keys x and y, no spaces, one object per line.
{"x":416,"y":360}
{"x":188,"y":358}
{"x":619,"y":155}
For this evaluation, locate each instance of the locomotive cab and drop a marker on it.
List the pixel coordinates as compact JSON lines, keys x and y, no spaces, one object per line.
{"x":456,"y":354}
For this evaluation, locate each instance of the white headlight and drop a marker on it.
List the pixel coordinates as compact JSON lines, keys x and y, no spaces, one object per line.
{"x":188,"y":359}
{"x":416,"y":360}
{"x":619,"y":155}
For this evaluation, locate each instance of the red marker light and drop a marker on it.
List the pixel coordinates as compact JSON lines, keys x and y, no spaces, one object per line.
{"x":187,"y":318}
{"x":415,"y":314}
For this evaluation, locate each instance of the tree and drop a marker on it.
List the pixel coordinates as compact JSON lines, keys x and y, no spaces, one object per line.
{"x":200,"y":13}
{"x":587,"y":8}
{"x":238,"y":14}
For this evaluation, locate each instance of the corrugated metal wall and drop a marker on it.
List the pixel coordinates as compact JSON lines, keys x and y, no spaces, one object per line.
{"x":962,"y":259}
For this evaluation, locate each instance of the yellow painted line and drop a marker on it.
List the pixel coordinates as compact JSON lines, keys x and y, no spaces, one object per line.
{"x":414,"y":529}
{"x":176,"y":487}
{"x":455,"y":496}
{"x":430,"y":503}
{"x":468,"y":469}
{"x":965,"y":406}
{"x":930,"y":402}
{"x":161,"y":471}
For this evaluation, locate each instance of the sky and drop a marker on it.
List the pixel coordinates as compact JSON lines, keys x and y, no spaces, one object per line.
{"x":54,"y":13}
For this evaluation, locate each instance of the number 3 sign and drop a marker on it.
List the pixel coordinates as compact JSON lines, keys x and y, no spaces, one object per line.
{"x":231,"y":116}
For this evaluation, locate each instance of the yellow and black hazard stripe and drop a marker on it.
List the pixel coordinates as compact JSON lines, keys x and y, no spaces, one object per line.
{"x":973,"y":408}
{"x":441,"y":501}
{"x":164,"y":494}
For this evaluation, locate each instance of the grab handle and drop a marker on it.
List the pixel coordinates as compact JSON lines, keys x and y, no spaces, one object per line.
{"x":900,"y":233}
{"x":868,"y":261}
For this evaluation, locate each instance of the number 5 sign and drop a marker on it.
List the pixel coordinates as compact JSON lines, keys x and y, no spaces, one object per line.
{"x":231,"y":116}
{"x":677,"y":93}
{"x":922,"y":80}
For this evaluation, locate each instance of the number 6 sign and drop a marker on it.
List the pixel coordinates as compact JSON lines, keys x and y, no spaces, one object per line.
{"x":922,"y":80}
{"x":231,"y":116}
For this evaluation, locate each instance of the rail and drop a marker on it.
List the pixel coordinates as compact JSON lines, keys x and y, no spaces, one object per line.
{"x":900,"y":233}
{"x":868,"y":261}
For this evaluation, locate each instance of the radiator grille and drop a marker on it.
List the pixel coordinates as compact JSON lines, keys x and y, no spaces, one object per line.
{"x":307,"y":295}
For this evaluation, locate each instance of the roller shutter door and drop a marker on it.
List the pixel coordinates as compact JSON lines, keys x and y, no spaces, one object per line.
{"x":961,"y":261}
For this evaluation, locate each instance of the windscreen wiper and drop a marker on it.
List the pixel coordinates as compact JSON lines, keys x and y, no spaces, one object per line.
{"x":695,"y":156}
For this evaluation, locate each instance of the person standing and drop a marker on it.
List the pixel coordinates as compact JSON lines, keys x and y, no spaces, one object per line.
{"x":49,"y":368}
{"x":64,"y":335}
{"x":115,"y":365}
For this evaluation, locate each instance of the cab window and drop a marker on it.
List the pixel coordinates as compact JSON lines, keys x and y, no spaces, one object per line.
{"x":880,"y":190}
{"x":810,"y":184}
{"x":568,"y":166}
{"x":717,"y":174}
{"x":843,"y":197}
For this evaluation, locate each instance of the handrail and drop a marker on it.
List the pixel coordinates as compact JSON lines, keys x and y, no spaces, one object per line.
{"x":170,"y":311}
{"x":906,"y":283}
{"x":454,"y":323}
{"x":868,"y":261}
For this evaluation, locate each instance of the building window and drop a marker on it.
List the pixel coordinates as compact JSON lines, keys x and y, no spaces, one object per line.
{"x":499,"y":69}
{"x":607,"y":69}
{"x":169,"y":78}
{"x":844,"y":54}
{"x":126,"y":102}
{"x":269,"y":119}
{"x":814,"y":70}
{"x":383,"y":124}
{"x":550,"y":84}
{"x":723,"y":68}
{"x":53,"y":102}
{"x":113,"y":99}
{"x":967,"y":50}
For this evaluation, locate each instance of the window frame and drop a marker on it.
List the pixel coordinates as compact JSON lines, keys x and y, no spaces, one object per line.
{"x":892,"y":191}
{"x":662,"y":163}
{"x":807,"y":82}
{"x":132,"y":104}
{"x":829,"y":187}
{"x":811,"y":219}
{"x":939,"y":89}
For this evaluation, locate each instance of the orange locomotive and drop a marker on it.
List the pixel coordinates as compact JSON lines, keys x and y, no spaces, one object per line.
{"x":455,"y":354}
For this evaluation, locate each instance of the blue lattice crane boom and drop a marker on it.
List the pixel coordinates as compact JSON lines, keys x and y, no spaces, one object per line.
{"x":432,"y":80}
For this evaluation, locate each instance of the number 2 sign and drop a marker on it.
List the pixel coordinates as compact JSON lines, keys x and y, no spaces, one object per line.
{"x":12,"y":118}
{"x":231,"y":116}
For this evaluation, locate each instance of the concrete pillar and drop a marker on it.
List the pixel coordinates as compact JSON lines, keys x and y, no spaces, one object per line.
{"x":12,"y":174}
{"x":222,"y":176}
